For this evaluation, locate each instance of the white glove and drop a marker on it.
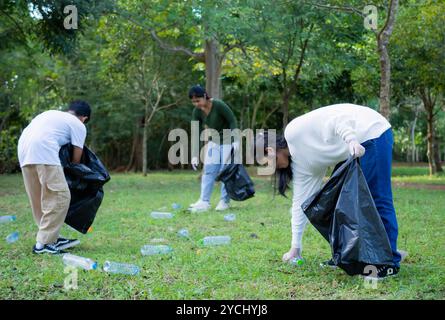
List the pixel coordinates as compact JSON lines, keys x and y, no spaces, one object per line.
{"x":356,"y":149}
{"x":195,"y":163}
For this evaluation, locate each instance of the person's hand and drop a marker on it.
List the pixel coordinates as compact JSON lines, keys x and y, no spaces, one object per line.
{"x":291,"y":254}
{"x":195,"y":163}
{"x":356,"y":149}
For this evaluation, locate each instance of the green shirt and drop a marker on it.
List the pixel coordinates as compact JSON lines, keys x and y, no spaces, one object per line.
{"x":219,"y":118}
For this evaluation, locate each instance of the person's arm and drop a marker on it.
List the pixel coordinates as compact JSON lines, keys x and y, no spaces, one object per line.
{"x":344,"y":127}
{"x":303,"y":187}
{"x":78,"y":136}
{"x":77,"y":154}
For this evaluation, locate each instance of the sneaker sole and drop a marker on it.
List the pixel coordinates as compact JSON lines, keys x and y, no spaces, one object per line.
{"x":47,"y":251}
{"x":326,"y":266}
{"x":198,"y":210}
{"x":68,"y":245}
{"x":370,"y":278}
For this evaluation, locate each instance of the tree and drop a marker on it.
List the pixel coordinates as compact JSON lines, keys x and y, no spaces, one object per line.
{"x":383,"y":36}
{"x":152,"y":79}
{"x":214,"y":28}
{"x":44,"y":19}
{"x":419,"y":48}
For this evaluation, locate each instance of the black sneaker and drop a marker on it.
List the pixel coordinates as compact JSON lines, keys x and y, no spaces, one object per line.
{"x":63,"y":243}
{"x":383,"y":272}
{"x":47,"y":248}
{"x":329,"y":264}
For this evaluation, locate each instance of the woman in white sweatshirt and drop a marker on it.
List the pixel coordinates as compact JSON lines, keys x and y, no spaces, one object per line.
{"x":321,"y":139}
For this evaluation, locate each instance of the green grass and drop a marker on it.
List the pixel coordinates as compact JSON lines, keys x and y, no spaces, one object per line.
{"x":249,"y":268}
{"x":416,"y":175}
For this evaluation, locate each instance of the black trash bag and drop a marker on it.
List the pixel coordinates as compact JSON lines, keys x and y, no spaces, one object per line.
{"x":85,"y":181}
{"x":344,"y":212}
{"x":238,"y":184}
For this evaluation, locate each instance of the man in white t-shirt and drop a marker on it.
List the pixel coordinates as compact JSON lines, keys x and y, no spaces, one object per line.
{"x":45,"y":184}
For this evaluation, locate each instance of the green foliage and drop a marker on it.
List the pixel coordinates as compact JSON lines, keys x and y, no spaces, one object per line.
{"x":112,"y":59}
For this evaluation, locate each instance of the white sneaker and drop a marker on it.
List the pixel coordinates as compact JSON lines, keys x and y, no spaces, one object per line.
{"x":200,"y":206}
{"x":191,"y":205}
{"x":222,"y":205}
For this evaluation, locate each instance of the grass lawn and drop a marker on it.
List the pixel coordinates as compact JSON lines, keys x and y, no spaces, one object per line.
{"x":249,"y":268}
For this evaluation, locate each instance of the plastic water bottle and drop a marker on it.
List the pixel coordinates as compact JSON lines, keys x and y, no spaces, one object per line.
{"x":230,"y":217}
{"x":297,"y":261}
{"x":161,"y":215}
{"x":184,"y":233}
{"x":81,"y":262}
{"x":6,"y":219}
{"x":122,"y":268}
{"x":215,"y":240}
{"x":176,"y":206}
{"x":149,"y":249}
{"x":13,"y":237}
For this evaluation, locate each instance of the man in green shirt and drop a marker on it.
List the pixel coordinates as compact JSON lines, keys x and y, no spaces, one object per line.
{"x":212,"y":114}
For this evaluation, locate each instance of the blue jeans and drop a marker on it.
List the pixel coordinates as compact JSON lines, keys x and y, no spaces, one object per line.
{"x":376,"y":166}
{"x":214,"y":162}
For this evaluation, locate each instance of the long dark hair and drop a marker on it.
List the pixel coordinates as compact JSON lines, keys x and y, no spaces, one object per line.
{"x":284,"y":175}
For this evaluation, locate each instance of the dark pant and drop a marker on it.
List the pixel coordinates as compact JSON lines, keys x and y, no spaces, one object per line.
{"x":376,"y":166}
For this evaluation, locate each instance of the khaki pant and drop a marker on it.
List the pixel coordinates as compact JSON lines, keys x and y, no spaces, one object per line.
{"x":49,"y":196}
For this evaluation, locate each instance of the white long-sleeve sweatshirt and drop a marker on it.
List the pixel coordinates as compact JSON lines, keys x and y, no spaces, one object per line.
{"x":318,"y":140}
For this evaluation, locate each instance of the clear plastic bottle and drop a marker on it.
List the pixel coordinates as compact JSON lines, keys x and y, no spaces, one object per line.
{"x":81,"y":262}
{"x":230,"y":217}
{"x":161,"y":215}
{"x":13,"y":237}
{"x":149,"y":249}
{"x":297,"y":261}
{"x":122,"y":268}
{"x":215,"y":240}
{"x":6,"y":219}
{"x":184,"y":233}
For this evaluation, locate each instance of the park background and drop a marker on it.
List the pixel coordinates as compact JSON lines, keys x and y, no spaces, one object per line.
{"x":270,"y":61}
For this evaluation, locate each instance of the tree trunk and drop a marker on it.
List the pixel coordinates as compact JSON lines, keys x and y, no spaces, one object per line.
{"x":385,"y":64}
{"x":285,"y":108}
{"x":144,"y":148}
{"x":430,"y":139}
{"x":255,"y":110}
{"x":213,"y":62}
{"x":413,"y":136}
{"x":135,"y":158}
{"x":429,"y":109}
{"x":429,"y":104}
{"x":436,"y":150}
{"x":385,"y":79}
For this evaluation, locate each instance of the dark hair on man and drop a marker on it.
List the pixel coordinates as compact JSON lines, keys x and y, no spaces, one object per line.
{"x":284,"y":175}
{"x":198,"y":92}
{"x":81,"y":109}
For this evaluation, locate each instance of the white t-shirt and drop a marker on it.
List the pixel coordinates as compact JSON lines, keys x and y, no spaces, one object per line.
{"x":318,"y":140}
{"x":41,"y":140}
